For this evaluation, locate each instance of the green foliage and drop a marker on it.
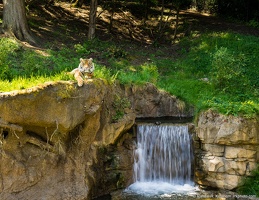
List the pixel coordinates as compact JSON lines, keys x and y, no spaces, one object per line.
{"x":253,"y":23}
{"x":7,"y":47}
{"x":215,"y":70}
{"x":83,"y":49}
{"x":192,"y":91}
{"x":250,"y":184}
{"x":247,"y":108}
{"x":31,"y":64}
{"x":227,"y":62}
{"x":114,"y":52}
{"x":228,"y":72}
{"x":20,"y":83}
{"x":139,"y":75}
{"x":17,"y":62}
{"x":119,"y":104}
{"x":106,"y":74}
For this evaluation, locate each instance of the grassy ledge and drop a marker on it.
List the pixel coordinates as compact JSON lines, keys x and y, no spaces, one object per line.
{"x":216,"y":70}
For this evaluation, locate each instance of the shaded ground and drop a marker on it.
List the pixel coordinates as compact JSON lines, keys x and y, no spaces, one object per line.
{"x":212,"y":23}
{"x":61,"y":25}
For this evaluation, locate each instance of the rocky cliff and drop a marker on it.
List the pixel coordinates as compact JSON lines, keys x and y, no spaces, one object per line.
{"x":227,"y":148}
{"x":59,"y":141}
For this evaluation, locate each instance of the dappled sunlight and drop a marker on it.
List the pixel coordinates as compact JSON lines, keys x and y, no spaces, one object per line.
{"x":203,"y":45}
{"x":223,"y":35}
{"x":194,"y":11}
{"x":124,"y":25}
{"x":37,"y":50}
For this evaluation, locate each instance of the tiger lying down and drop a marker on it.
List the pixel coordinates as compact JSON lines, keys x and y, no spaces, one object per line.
{"x":84,"y":70}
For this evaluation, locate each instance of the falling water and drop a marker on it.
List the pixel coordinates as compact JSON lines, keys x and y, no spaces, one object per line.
{"x":163,"y":158}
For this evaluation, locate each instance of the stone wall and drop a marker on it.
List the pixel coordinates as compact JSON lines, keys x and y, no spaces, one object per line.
{"x":227,"y":148}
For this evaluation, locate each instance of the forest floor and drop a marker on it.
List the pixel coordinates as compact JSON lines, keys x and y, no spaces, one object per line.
{"x":60,"y":25}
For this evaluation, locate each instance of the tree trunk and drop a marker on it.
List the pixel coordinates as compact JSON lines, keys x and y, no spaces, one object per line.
{"x":15,"y":21}
{"x":177,"y":21}
{"x":111,"y":16}
{"x":162,"y":15}
{"x":146,"y":11}
{"x":92,"y":19}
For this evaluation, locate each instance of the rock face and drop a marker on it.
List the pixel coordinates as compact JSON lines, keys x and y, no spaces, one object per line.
{"x":148,"y":101}
{"x":59,"y":141}
{"x":227,"y":148}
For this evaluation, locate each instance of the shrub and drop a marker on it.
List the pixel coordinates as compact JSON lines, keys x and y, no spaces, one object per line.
{"x":250,"y":184}
{"x":7,"y":48}
{"x":119,"y":104}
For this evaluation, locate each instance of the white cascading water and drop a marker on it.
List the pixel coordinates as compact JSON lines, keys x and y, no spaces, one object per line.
{"x":162,"y":162}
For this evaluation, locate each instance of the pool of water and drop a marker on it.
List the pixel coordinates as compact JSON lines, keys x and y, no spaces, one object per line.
{"x":157,"y":188}
{"x":167,"y":191}
{"x":187,"y":195}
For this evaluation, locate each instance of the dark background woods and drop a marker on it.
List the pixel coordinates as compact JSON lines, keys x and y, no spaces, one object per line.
{"x":163,"y":12}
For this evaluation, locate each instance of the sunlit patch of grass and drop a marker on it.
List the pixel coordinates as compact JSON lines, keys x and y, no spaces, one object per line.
{"x":104,"y":73}
{"x":140,"y":75}
{"x":192,"y":91}
{"x":20,"y":83}
{"x":223,"y":105}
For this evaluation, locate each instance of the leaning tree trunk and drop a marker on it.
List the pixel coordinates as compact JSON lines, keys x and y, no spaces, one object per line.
{"x":92,"y":19}
{"x":15,"y":21}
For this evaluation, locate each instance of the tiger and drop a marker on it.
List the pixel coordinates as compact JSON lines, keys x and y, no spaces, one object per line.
{"x":85,"y":69}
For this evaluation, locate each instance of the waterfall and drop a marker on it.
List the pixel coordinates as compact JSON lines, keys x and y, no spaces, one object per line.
{"x":163,"y":154}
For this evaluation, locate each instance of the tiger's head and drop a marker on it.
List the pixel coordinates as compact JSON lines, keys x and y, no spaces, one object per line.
{"x":86,"y":66}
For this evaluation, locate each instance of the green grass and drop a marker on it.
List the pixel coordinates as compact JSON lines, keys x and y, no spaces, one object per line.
{"x":230,"y":64}
{"x":215,"y":70}
{"x":20,"y":83}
